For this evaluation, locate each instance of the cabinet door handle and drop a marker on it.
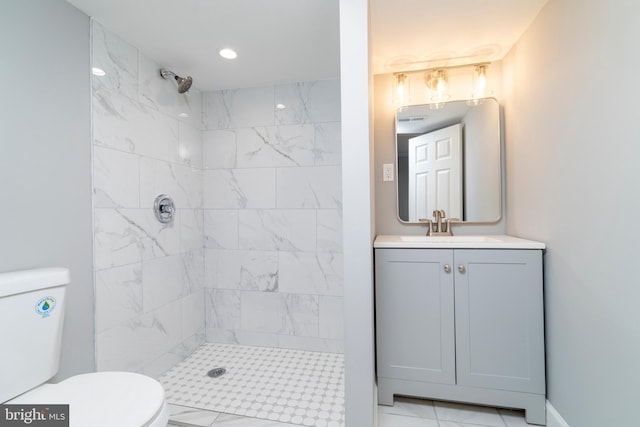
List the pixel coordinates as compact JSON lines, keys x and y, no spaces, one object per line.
{"x":447,"y":268}
{"x":461,"y":268}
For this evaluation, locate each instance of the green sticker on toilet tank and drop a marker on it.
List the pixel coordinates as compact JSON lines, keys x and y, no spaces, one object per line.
{"x":45,"y":306}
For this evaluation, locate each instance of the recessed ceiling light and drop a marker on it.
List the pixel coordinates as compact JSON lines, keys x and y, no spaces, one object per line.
{"x":281,"y":106}
{"x":228,"y":53}
{"x":183,"y":114}
{"x":98,"y":72}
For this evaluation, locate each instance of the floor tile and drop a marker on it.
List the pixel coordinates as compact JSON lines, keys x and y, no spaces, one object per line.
{"x":227,"y":420}
{"x":275,"y":384}
{"x":513,"y":418}
{"x":393,"y":420}
{"x":410,"y":407}
{"x":191,"y":417}
{"x":470,"y":414}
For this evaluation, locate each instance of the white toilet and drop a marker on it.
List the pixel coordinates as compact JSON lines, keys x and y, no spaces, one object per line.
{"x":31,"y":315}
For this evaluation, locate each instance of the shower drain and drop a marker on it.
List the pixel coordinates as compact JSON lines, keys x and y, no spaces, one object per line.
{"x":217,"y":372}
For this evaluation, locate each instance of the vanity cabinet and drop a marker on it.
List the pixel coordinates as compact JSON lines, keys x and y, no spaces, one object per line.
{"x":463,"y":325}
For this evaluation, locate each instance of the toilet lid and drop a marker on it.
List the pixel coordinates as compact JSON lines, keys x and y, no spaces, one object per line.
{"x":103,"y":399}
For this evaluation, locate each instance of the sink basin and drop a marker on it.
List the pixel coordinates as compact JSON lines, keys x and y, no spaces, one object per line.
{"x":460,"y":241}
{"x":450,"y":239}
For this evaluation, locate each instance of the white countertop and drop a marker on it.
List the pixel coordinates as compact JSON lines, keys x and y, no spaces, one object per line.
{"x":466,"y":242}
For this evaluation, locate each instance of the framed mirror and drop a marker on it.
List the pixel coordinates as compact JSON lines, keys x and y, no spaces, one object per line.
{"x":448,"y":159}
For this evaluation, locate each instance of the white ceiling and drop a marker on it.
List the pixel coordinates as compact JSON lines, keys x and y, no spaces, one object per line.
{"x":417,"y":34}
{"x":281,"y":41}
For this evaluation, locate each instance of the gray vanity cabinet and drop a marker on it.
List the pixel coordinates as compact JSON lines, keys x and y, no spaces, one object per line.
{"x":463,"y":325}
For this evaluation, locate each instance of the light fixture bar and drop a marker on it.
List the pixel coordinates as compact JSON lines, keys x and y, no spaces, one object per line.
{"x":452,"y":67}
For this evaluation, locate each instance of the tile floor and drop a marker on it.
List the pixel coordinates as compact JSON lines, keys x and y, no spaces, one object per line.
{"x":262,"y":386}
{"x":270,"y":387}
{"x":405,"y":413}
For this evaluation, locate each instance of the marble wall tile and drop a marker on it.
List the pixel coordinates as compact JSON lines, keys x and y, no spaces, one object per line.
{"x":308,"y":102}
{"x":329,"y":230}
{"x":265,"y":312}
{"x":222,"y":309}
{"x":163,"y":281}
{"x":311,"y":273}
{"x":277,"y":229}
{"x":191,"y":229}
{"x":117,"y":239}
{"x":239,"y":188}
{"x":189,"y":149}
{"x":116,"y":179}
{"x":182,"y":183}
{"x":193,"y":318}
{"x":304,"y":315}
{"x":246,"y":270}
{"x":221,"y":229}
{"x":256,"y":338}
{"x":311,"y":344}
{"x":118,"y":296}
{"x":150,"y":276}
{"x":272,"y":199}
{"x":219,"y":149}
{"x":124,"y":124}
{"x":117,"y":58}
{"x":142,"y":340}
{"x":275,"y":146}
{"x":309,"y":187}
{"x":193,"y":267}
{"x":258,"y":271}
{"x":125,"y":236}
{"x":238,"y":108}
{"x":331,"y":316}
{"x":328,"y":143}
{"x":155,"y":368}
{"x":218,"y":335}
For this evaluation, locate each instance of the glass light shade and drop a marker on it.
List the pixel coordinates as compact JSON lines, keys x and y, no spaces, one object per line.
{"x":437,"y":84}
{"x":479,"y":90}
{"x":401,"y":89}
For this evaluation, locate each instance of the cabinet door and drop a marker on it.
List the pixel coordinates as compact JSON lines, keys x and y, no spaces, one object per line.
{"x":499,"y":319}
{"x":414,"y":315}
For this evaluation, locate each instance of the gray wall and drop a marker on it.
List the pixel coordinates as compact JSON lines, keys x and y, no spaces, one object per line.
{"x":45,"y":162}
{"x":572,"y":136}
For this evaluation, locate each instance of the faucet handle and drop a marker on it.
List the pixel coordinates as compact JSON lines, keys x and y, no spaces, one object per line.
{"x":429,"y":225}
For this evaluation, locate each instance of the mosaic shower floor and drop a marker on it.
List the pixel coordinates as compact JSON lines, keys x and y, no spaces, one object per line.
{"x":289,"y":386}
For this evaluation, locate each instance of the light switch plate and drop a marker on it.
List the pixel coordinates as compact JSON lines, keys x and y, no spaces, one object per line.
{"x":387,"y":172}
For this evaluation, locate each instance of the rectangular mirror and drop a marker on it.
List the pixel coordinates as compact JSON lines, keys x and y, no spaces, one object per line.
{"x":449,"y":158}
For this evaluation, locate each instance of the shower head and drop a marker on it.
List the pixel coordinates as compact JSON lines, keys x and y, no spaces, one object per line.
{"x":184,"y":83}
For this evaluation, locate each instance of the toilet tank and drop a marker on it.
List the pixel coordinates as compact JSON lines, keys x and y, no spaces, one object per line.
{"x":31,"y":317}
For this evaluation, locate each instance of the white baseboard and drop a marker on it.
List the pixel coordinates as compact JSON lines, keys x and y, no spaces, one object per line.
{"x":554,"y":419}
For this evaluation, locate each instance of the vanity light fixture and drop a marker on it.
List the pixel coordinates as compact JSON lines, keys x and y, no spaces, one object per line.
{"x":401,"y":91}
{"x":438,"y":81}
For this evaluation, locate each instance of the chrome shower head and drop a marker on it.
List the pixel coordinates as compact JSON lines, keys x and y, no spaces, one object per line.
{"x":184,"y":83}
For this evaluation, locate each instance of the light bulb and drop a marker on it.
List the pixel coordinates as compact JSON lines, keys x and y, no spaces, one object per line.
{"x":400,"y":95}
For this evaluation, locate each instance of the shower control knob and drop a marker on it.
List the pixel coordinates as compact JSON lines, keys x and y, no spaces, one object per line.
{"x":164,"y":208}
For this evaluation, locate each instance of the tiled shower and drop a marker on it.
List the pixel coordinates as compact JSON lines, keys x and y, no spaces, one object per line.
{"x":254,"y":255}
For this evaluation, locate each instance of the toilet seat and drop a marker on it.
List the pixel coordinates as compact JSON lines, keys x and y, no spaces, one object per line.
{"x":105,"y":399}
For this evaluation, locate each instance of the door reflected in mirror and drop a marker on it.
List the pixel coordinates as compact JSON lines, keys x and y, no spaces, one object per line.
{"x":449,"y":159}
